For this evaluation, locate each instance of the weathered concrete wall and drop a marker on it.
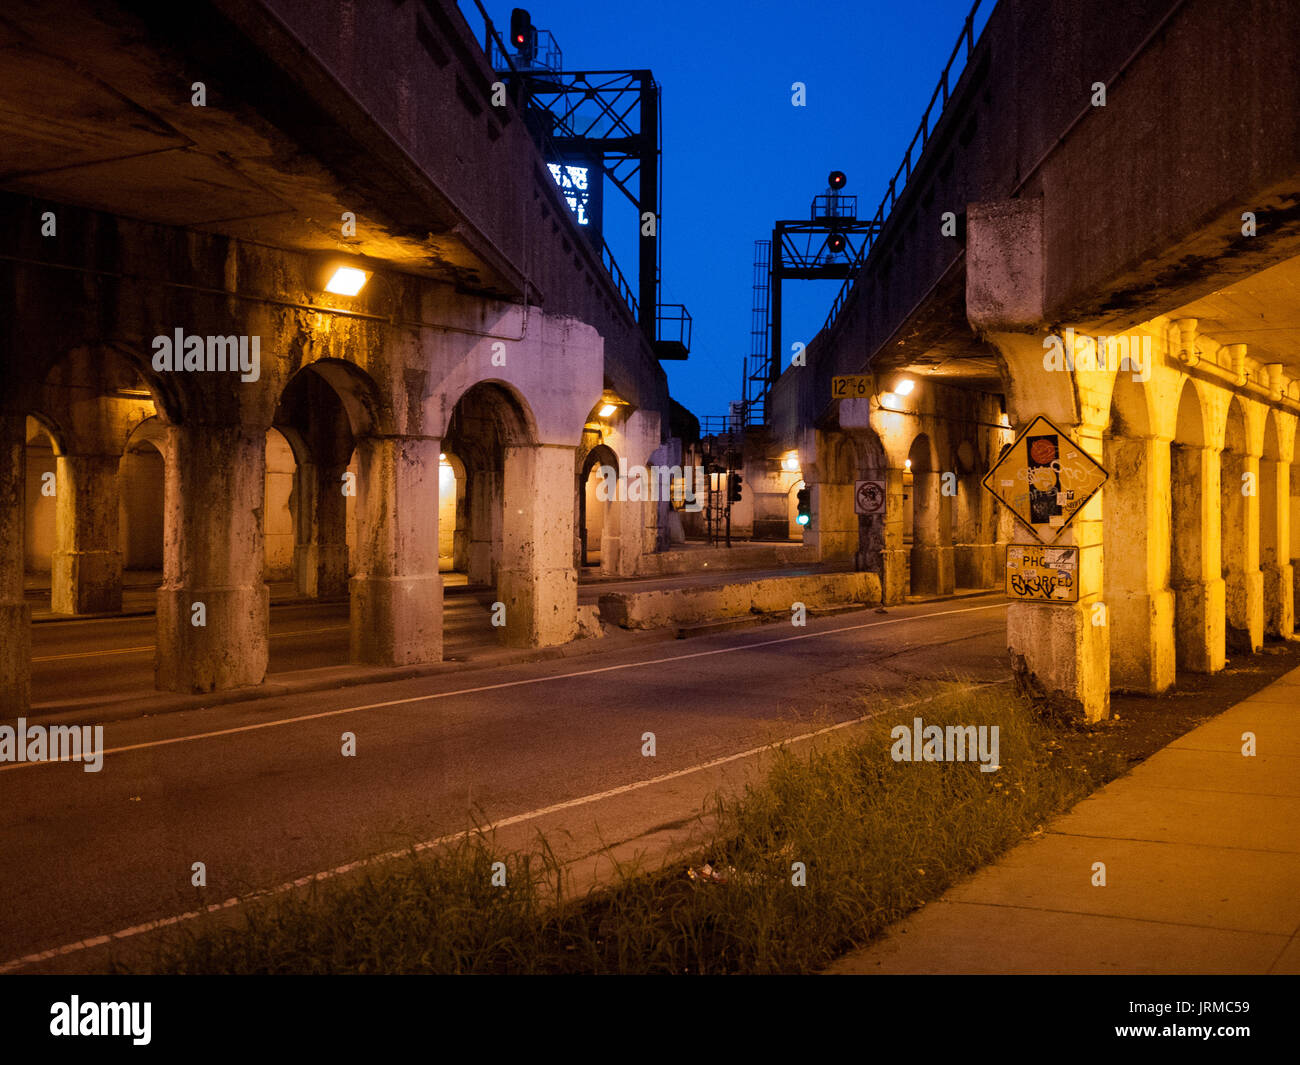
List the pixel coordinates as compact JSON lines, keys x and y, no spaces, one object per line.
{"x":651,"y":610}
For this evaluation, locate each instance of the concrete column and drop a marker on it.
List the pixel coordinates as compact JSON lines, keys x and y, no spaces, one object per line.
{"x":1195,"y":575}
{"x":1059,"y":650}
{"x":1275,"y":547}
{"x":214,"y":558}
{"x":86,"y":566}
{"x":15,"y":613}
{"x":1239,"y":534}
{"x":320,"y":553}
{"x":396,"y":609}
{"x":536,"y":580}
{"x":834,"y":523}
{"x":1138,"y":597}
{"x":484,"y":547}
{"x":880,"y":539}
{"x":932,"y":554}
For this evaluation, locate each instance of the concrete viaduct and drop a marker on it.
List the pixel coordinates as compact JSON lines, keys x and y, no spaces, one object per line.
{"x":200,"y":171}
{"x":1099,"y":171}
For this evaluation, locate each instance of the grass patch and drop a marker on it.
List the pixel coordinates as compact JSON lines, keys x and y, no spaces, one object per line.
{"x":878,"y":838}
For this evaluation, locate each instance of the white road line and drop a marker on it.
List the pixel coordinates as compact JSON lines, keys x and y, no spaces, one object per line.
{"x":511,"y":684}
{"x":150,"y":647}
{"x":568,"y":804}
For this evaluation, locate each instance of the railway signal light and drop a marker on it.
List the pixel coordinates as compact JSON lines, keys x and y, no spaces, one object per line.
{"x":523,"y":35}
{"x":733,"y":488}
{"x":837,"y":180}
{"x":804,"y":502}
{"x":836,"y":243}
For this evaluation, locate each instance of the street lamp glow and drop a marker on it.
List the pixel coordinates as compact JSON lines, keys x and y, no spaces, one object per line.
{"x":907,"y":463}
{"x":905,"y":386}
{"x":347,"y":281}
{"x":790,"y":462}
{"x":608,"y":409}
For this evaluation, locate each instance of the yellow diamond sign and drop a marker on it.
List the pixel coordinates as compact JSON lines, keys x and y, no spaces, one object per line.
{"x":1045,"y":479}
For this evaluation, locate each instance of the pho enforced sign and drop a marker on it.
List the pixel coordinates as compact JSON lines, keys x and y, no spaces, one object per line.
{"x":1037,"y":573}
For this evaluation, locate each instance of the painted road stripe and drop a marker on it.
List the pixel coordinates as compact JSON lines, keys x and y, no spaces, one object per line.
{"x":409,"y":700}
{"x":531,"y":815}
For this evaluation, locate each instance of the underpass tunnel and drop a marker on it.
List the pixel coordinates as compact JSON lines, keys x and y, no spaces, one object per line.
{"x":930,"y":569}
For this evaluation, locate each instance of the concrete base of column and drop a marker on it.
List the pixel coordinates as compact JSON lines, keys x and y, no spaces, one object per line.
{"x":893,"y":581}
{"x":229,"y":651}
{"x":976,"y":565}
{"x":541,"y":608}
{"x":932,"y":570}
{"x":479,"y":568}
{"x":15,"y":657}
{"x":321,"y":570}
{"x":1244,"y":631}
{"x":1279,"y":600}
{"x":1142,"y":642}
{"x":86,"y":582}
{"x":1061,"y":658}
{"x":396,"y":621}
{"x":1199,"y":626}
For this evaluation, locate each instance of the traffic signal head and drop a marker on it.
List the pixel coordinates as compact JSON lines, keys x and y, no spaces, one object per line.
{"x":837,"y":180}
{"x":522,"y":34}
{"x":733,"y":488}
{"x":804,"y":501}
{"x":836,"y":243}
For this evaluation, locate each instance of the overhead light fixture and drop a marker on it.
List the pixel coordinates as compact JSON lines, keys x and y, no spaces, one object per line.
{"x":607,"y":410}
{"x":905,"y":386}
{"x":888,"y":399}
{"x":347,"y":281}
{"x":442,"y":457}
{"x":907,"y":463}
{"x":790,"y":462}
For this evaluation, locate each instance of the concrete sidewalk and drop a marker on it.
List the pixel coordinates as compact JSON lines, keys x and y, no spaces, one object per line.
{"x":1202,"y":853}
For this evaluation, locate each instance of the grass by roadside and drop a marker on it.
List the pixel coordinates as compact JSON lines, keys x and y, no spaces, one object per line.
{"x":876,"y":837}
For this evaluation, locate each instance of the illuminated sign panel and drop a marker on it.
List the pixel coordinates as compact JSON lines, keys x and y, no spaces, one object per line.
{"x":573,"y":184}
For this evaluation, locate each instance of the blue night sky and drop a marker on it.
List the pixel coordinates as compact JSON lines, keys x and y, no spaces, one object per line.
{"x":738,"y":155}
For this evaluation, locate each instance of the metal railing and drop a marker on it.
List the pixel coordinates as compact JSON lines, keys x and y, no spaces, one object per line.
{"x":947,"y":81}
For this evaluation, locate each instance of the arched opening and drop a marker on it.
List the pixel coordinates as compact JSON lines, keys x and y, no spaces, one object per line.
{"x":485,"y":423}
{"x":597,"y":518}
{"x":1193,"y":569}
{"x":1275,"y":535}
{"x":453,"y":530}
{"x":1135,"y":564}
{"x":277,"y":513}
{"x":142,"y":514}
{"x":40,"y":528}
{"x":1238,"y":535}
{"x":312,"y":478}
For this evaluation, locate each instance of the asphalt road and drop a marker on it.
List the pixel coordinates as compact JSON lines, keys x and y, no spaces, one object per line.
{"x":261,"y":794}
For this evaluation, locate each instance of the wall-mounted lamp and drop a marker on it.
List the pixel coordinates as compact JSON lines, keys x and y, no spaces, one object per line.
{"x":905,"y":386}
{"x":888,"y":399}
{"x":907,"y":463}
{"x":347,"y":281}
{"x":790,"y":462}
{"x":607,"y":409}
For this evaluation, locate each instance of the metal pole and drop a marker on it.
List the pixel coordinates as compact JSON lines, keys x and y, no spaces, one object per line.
{"x":648,"y":262}
{"x":774,"y":274}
